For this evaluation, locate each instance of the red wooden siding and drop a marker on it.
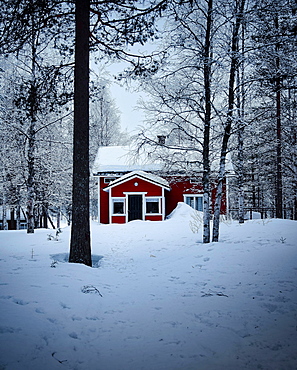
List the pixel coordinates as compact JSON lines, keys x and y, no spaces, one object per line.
{"x":104,"y":205}
{"x":143,"y":186}
{"x":118,"y":219}
{"x":153,"y":217}
{"x":181,"y":185}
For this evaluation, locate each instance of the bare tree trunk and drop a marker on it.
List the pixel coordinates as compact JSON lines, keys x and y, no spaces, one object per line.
{"x":227,"y":130}
{"x":59,"y":218}
{"x":294,"y":160}
{"x":18,"y":208}
{"x":279,"y":180}
{"x":240,"y":177}
{"x":241,"y":101}
{"x":45,"y":216}
{"x":4,"y":212}
{"x":80,"y":245}
{"x":219,"y":193}
{"x":207,"y":61}
{"x":31,"y":137}
{"x":30,"y":180}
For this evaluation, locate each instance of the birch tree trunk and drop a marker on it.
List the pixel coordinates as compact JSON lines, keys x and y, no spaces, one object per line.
{"x":228,"y":126}
{"x":80,"y":244}
{"x":219,"y":193}
{"x":207,"y":60}
{"x":241,"y":106}
{"x":240,"y":176}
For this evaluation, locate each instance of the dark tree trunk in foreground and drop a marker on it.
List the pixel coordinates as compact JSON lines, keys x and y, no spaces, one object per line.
{"x":80,"y":244}
{"x":279,"y":180}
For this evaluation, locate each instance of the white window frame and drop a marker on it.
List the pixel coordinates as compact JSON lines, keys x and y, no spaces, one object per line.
{"x":147,"y":199}
{"x":194,"y":196}
{"x":118,"y":199}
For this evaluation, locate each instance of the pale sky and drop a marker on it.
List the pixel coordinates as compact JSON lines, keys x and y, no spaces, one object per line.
{"x":126,"y":102}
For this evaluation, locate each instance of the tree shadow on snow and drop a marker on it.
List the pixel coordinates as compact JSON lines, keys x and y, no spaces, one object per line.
{"x":64,"y":257}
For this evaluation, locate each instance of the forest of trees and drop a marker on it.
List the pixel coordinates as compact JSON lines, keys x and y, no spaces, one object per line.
{"x":220,"y":81}
{"x":225,"y":82}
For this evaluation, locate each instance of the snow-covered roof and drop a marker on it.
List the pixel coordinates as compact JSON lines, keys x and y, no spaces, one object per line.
{"x":111,"y":159}
{"x":122,"y":159}
{"x":143,"y":175}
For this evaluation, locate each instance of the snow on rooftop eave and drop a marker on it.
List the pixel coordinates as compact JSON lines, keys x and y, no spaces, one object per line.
{"x":113,"y":159}
{"x":157,"y":180}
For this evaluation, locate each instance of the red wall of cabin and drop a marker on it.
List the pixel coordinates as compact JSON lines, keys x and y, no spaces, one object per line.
{"x":104,"y":203}
{"x":142,"y":187}
{"x":118,"y":219}
{"x":153,"y":217}
{"x":179,"y":185}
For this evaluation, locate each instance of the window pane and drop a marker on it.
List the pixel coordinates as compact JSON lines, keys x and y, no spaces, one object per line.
{"x":118,"y":207}
{"x":152,"y":205}
{"x":195,"y":202}
{"x":199,"y":206}
{"x":190,"y":201}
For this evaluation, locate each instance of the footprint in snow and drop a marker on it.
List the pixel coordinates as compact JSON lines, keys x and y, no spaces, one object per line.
{"x":73,"y":335}
{"x":53,"y":321}
{"x":9,"y":329}
{"x":64,"y":305}
{"x":5,"y":296}
{"x":92,"y":318}
{"x":39,"y":310}
{"x":281,"y":299}
{"x":270,"y":307}
{"x":20,"y":302}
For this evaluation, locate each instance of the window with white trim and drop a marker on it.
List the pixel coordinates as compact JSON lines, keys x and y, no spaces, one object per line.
{"x":118,"y":206}
{"x":152,"y":205}
{"x":195,"y":201}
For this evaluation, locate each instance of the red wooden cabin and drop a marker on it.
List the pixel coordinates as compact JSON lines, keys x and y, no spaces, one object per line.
{"x":135,"y":190}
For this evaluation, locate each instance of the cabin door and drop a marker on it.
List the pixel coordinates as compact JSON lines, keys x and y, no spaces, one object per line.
{"x":134,"y":207}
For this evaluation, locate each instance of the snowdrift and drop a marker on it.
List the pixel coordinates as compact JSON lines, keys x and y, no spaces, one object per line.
{"x":157,"y":299}
{"x":183,"y":212}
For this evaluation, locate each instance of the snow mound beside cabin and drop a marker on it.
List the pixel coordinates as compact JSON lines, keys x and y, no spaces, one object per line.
{"x":183,"y":212}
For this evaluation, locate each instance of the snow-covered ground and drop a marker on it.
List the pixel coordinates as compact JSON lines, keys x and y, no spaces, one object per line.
{"x":157,"y":298}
